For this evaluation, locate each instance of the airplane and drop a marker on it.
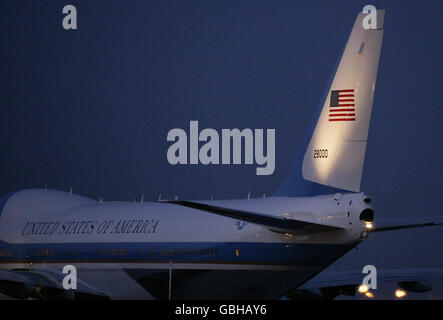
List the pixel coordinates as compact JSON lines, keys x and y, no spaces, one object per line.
{"x":263,"y":248}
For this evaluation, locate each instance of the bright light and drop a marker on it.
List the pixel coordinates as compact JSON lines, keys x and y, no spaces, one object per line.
{"x":363,"y":288}
{"x":369,"y":225}
{"x":369,"y":295}
{"x":400,"y":293}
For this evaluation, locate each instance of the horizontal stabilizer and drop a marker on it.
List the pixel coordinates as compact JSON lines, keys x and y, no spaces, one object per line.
{"x":397,"y":224}
{"x":279,"y":224}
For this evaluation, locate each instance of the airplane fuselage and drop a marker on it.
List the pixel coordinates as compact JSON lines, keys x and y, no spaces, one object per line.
{"x":209,"y":256}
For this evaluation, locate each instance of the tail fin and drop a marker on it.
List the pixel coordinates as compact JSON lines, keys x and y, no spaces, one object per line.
{"x":334,"y":155}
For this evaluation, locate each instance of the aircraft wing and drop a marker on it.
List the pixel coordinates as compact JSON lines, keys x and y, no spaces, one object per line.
{"x":44,"y":283}
{"x":328,"y":285}
{"x":397,"y":224}
{"x":278,"y":224}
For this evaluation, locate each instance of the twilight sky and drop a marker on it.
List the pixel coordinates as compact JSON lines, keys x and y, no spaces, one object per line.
{"x":91,"y":108}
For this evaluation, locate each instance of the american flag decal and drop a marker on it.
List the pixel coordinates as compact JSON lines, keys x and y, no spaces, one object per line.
{"x":342,"y":105}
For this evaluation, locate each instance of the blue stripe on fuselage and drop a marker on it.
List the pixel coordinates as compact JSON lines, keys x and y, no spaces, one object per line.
{"x":202,"y":252}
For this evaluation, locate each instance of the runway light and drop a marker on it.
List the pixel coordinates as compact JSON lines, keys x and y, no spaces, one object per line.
{"x":400,"y":293}
{"x":369,"y":225}
{"x":363,"y":288}
{"x":369,"y":295}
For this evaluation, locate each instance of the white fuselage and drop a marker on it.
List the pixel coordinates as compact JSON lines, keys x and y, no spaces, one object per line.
{"x":52,"y":228}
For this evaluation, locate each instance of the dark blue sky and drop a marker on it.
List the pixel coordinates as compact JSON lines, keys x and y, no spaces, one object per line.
{"x":91,"y":108}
